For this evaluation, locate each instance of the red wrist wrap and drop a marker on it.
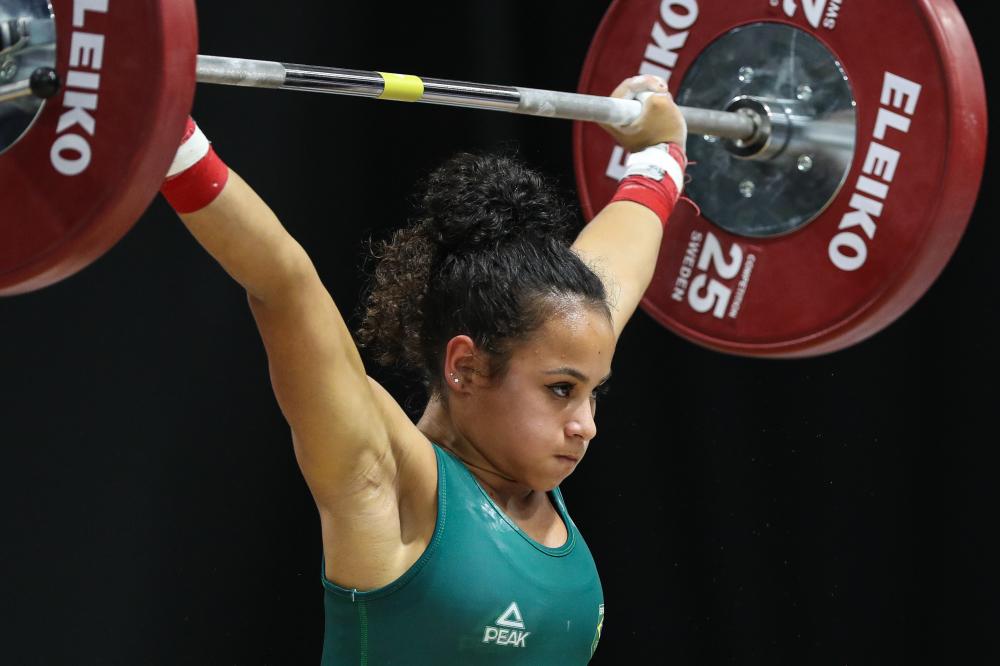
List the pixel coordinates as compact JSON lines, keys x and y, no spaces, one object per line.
{"x":660,"y":196}
{"x":195,"y":188}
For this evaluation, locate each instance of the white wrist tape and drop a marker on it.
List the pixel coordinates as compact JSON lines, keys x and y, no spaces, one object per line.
{"x":190,"y":153}
{"x":655,"y":162}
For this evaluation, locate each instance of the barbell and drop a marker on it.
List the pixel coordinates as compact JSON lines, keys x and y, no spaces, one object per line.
{"x":835,"y":162}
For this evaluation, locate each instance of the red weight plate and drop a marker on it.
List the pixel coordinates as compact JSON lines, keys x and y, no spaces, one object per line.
{"x":79,"y":179}
{"x":795,"y":301}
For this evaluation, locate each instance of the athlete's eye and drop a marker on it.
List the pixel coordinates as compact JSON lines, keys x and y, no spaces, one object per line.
{"x":601,"y":390}
{"x":561,"y":390}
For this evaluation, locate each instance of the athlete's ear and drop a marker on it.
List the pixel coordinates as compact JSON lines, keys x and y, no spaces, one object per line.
{"x":465,"y":366}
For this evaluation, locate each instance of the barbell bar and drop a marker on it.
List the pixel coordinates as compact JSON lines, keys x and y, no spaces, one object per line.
{"x":242,"y":72}
{"x":512,"y":99}
{"x":749,"y":127}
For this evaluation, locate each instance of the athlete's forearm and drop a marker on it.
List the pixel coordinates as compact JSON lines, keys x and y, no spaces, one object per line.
{"x":230,"y":221}
{"x":622,"y":244}
{"x":624,"y":239}
{"x":242,"y":233}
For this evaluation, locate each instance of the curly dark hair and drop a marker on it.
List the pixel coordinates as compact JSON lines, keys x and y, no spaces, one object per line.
{"x":487,"y":256}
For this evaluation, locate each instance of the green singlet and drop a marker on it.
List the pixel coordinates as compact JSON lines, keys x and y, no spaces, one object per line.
{"x":483,"y":592}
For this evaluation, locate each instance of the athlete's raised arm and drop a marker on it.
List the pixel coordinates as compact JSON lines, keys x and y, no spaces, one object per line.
{"x":623,"y":241}
{"x":340,"y":434}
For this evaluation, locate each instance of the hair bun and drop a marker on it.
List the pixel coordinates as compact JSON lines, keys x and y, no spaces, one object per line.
{"x":476,"y":203}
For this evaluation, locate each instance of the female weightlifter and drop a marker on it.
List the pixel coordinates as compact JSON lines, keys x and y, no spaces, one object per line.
{"x":447,"y":541}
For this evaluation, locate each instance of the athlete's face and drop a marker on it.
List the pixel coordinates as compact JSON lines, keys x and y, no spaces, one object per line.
{"x":537,"y":420}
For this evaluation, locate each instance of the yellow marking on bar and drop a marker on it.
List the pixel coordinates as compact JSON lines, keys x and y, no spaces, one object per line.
{"x":402,"y":87}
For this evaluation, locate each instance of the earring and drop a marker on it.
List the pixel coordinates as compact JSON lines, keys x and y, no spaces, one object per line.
{"x":454,"y":378}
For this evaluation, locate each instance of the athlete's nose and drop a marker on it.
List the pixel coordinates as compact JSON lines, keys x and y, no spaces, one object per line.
{"x":581,"y":423}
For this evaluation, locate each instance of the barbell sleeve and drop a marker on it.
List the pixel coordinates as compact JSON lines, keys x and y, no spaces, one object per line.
{"x":43,"y":84}
{"x":13,"y":91}
{"x":528,"y":101}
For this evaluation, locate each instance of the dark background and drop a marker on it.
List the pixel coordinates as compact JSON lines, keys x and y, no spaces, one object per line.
{"x":838,"y":510}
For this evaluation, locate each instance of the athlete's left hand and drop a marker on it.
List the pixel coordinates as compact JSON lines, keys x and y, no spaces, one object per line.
{"x":661,"y":120}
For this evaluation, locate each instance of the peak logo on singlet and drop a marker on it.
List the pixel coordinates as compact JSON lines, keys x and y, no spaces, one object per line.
{"x":513,"y":632}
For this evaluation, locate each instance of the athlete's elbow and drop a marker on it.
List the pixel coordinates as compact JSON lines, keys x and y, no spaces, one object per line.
{"x":288,"y":274}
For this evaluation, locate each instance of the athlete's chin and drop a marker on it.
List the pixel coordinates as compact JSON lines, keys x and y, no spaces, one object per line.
{"x":543,"y":476}
{"x":563,"y":467}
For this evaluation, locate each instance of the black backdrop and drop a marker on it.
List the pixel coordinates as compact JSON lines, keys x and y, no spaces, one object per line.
{"x":829,"y":511}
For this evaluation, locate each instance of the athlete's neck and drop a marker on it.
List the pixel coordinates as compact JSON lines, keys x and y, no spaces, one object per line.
{"x":437,"y":425}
